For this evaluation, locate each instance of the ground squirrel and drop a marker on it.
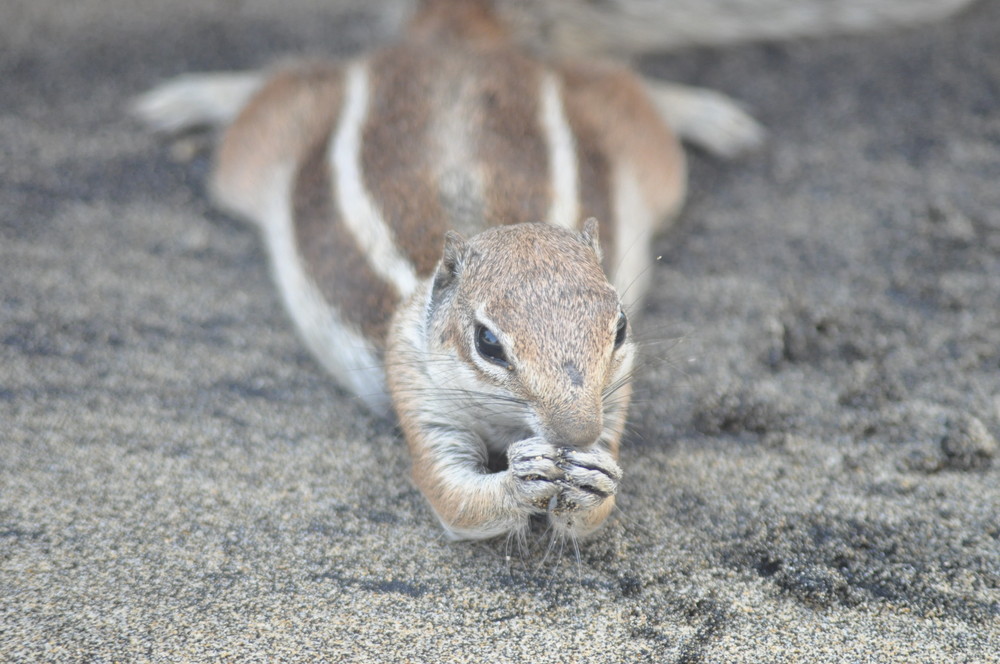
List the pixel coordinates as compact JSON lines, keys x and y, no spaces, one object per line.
{"x":507,"y":356}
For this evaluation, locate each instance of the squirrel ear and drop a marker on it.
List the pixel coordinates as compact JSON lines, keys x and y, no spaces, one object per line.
{"x":591,"y":235}
{"x":456,"y":251}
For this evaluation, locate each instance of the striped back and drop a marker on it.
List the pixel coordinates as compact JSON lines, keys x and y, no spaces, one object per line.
{"x":355,"y":172}
{"x":429,"y":138}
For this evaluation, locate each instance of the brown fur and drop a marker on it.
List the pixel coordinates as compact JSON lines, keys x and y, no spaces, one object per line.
{"x":349,"y":284}
{"x":594,"y":169}
{"x":398,"y":152}
{"x":453,"y":137}
{"x":512,"y":274}
{"x":467,"y":22}
{"x":282,"y":122}
{"x":613,"y":104}
{"x":511,"y":142}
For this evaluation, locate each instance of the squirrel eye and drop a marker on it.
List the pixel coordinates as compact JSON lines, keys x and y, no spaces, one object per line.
{"x":489,"y":347}
{"x":622,"y":329}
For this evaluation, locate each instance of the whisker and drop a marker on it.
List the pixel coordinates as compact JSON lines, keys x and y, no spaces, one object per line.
{"x":575,"y":541}
{"x":459,"y":395}
{"x":641,"y":242}
{"x":550,"y":532}
{"x":642,"y":273}
{"x":631,"y":521}
{"x":516,"y":534}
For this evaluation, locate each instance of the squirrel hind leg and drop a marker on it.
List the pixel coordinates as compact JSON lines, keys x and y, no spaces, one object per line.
{"x":707,"y":119}
{"x":195,"y":100}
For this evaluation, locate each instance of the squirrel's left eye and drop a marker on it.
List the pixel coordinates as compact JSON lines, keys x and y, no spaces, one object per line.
{"x":490,"y":347}
{"x":621,"y":330}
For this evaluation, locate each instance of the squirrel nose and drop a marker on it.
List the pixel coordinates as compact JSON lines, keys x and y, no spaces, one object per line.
{"x":576,"y":427}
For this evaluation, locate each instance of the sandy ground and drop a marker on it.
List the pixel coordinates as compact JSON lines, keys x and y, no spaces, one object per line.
{"x":813,"y":471}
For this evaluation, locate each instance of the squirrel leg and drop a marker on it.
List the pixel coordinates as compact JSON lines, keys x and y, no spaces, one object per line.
{"x":471,"y":501}
{"x":576,"y":488}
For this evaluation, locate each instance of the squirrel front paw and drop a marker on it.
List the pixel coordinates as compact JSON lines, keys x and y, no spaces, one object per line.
{"x":575,"y":487}
{"x":533,"y":471}
{"x":589,"y":478}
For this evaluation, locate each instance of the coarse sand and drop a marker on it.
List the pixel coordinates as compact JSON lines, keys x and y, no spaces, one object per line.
{"x":812,"y":471}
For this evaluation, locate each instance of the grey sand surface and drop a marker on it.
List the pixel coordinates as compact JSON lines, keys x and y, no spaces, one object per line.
{"x":812,"y":472}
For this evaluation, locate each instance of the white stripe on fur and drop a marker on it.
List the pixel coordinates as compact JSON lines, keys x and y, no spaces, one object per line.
{"x":342,"y":350}
{"x":565,"y":209}
{"x":359,"y":212}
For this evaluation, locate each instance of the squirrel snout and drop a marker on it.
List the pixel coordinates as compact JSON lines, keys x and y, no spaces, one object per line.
{"x":579,"y":428}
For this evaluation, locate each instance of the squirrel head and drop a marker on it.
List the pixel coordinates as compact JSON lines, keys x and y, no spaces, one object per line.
{"x":532,"y":317}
